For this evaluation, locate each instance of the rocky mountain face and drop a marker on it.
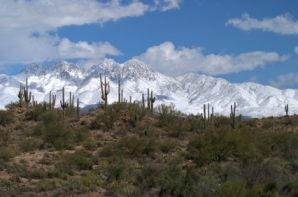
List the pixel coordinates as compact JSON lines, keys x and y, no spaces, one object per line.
{"x":188,"y":93}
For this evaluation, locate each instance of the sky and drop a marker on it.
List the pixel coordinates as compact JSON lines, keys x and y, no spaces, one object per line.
{"x":238,"y":40}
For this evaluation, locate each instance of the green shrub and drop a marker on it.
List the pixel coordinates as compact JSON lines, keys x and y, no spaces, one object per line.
{"x":80,"y":160}
{"x":6,"y":187}
{"x":118,"y":169}
{"x":214,"y":145}
{"x":267,"y":124}
{"x":251,"y":122}
{"x":90,"y":144}
{"x":4,"y":137}
{"x":47,"y":185}
{"x":108,"y":118}
{"x":59,"y":135}
{"x":6,"y":154}
{"x":168,"y":145}
{"x":231,"y":189}
{"x":6,"y":117}
{"x":81,"y":134}
{"x":85,"y":184}
{"x":166,"y":114}
{"x":29,"y":144}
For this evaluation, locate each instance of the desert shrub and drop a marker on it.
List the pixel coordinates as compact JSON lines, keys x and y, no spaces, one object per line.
{"x":174,"y":181}
{"x":148,"y":177}
{"x":168,"y":144}
{"x":251,"y":122}
{"x":119,"y":106}
{"x":90,"y":144}
{"x":214,"y":145}
{"x":71,"y":111}
{"x":290,"y":188}
{"x":80,"y":160}
{"x":232,"y":189}
{"x":35,"y":113}
{"x":135,"y":146}
{"x":268,"y":123}
{"x":6,"y":117}
{"x":13,"y":105}
{"x":108,"y":118}
{"x":47,"y":185}
{"x":4,"y":137}
{"x":7,"y":187}
{"x":59,"y":135}
{"x":273,"y":142}
{"x":166,"y":114}
{"x":192,"y":123}
{"x":81,"y":134}
{"x":118,"y":169}
{"x":29,"y":144}
{"x":50,"y":117}
{"x":225,"y":121}
{"x":6,"y":154}
{"x":85,"y":184}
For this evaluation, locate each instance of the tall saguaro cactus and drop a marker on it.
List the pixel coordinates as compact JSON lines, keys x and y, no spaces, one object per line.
{"x":204,"y":116}
{"x":78,"y":109}
{"x":52,"y":101}
{"x":152,"y":100}
{"x":27,"y":94}
{"x":105,"y":90}
{"x":233,"y":115}
{"x":119,"y":93}
{"x":21,"y":95}
{"x":287,"y":109}
{"x":71,"y":100}
{"x":63,"y":104}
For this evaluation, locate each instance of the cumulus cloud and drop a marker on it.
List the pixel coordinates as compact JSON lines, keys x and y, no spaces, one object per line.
{"x":167,"y":59}
{"x":296,"y":50}
{"x":285,"y":80}
{"x":165,"y":5}
{"x":282,"y":24}
{"x":28,"y":28}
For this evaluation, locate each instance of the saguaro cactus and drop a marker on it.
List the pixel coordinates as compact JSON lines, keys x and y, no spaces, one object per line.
{"x":105,"y":90}
{"x":71,"y":100}
{"x":63,"y":104}
{"x":52,"y":101}
{"x":78,"y":109}
{"x":27,"y":94}
{"x":287,"y":109}
{"x":233,"y":115}
{"x":21,"y":95}
{"x":204,"y":116}
{"x":143,"y":101}
{"x":119,"y":92}
{"x":152,"y":100}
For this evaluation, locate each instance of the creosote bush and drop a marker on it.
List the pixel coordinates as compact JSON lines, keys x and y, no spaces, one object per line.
{"x":6,"y":117}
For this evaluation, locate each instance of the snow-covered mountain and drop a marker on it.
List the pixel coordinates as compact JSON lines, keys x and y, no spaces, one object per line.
{"x":188,"y":93}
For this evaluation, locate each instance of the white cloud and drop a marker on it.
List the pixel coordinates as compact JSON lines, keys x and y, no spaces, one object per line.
{"x":296,"y":50}
{"x":285,"y":80}
{"x":165,"y":5}
{"x":282,"y":24}
{"x":173,"y":61}
{"x":27,"y":28}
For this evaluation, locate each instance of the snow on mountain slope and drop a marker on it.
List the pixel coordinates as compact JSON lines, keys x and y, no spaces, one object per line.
{"x":188,"y":92}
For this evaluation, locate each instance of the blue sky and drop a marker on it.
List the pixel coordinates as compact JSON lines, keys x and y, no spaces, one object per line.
{"x":237,"y":40}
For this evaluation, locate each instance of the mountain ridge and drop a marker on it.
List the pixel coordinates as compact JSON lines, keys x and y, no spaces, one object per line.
{"x":188,"y":92}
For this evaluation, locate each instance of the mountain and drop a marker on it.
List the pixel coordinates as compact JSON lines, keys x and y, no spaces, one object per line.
{"x":188,"y":92}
